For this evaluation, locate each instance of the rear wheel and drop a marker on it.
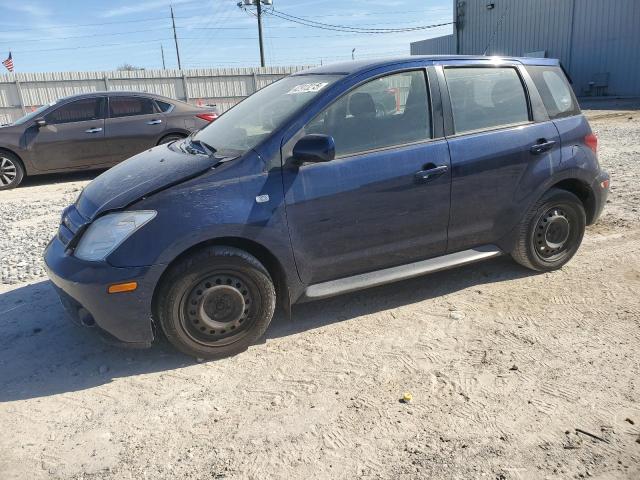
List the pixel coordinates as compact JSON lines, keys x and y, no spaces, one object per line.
{"x":11,"y":171}
{"x":216,"y":302}
{"x":551,"y":232}
{"x":171,"y":138}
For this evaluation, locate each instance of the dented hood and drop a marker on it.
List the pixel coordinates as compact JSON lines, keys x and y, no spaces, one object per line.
{"x":140,"y":176}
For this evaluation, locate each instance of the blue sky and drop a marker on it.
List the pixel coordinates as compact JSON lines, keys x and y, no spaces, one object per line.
{"x":99,"y":35}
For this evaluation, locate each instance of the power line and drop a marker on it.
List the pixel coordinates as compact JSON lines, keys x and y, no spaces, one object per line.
{"x":76,"y":25}
{"x":49,"y":39}
{"x":93,"y":46}
{"x":347,"y":28}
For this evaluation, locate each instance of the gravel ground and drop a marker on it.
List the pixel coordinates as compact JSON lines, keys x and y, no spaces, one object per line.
{"x":514,"y":375}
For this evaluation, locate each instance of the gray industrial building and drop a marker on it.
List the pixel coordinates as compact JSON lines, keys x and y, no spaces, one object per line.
{"x":597,"y":41}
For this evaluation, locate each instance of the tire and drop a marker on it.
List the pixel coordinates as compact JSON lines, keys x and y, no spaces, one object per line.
{"x":215,"y":302}
{"x":551,"y":232}
{"x":171,"y":138}
{"x":11,"y":170}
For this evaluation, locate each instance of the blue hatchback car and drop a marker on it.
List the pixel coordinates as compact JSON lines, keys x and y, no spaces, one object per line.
{"x":331,"y":180}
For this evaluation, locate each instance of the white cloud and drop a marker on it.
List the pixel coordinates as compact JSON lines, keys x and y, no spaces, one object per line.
{"x":150,"y":5}
{"x":28,"y":8}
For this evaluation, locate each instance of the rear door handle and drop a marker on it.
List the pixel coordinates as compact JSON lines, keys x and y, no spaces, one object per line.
{"x":430,"y":173}
{"x":542,"y":146}
{"x":93,"y":130}
{"x":154,"y":122}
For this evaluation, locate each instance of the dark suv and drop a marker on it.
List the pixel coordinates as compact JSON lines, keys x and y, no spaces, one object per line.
{"x":307,"y":189}
{"x":92,"y":131}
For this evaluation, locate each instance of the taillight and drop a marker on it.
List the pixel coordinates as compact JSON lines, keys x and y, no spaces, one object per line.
{"x":592,"y":142}
{"x":209,"y":116}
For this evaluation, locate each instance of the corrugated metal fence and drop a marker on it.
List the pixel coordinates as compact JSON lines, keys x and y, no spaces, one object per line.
{"x":20,"y":93}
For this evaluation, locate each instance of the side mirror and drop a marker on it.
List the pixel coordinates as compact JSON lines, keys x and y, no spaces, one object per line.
{"x":40,"y":122}
{"x":314,"y":148}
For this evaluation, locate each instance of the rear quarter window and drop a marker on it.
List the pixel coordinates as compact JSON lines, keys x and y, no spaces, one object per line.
{"x":163,"y":106}
{"x":556,"y":93}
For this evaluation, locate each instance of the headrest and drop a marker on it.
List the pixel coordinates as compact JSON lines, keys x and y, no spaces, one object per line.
{"x":361,"y":104}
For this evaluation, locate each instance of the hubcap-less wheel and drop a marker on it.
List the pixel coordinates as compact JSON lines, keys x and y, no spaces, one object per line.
{"x":8,"y":171}
{"x":218,"y":309}
{"x":552,"y":234}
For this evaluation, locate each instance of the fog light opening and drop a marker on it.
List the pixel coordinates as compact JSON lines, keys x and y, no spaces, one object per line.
{"x":86,"y":318}
{"x":122,"y":287}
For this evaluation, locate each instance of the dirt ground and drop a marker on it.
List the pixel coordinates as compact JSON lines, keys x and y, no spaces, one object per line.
{"x":514,"y":375}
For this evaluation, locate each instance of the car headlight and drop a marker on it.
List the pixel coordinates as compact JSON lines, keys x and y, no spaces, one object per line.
{"x":105,"y":234}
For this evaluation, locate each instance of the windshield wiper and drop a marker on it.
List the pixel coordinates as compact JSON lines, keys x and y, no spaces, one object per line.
{"x":208,"y":149}
{"x":197,"y":147}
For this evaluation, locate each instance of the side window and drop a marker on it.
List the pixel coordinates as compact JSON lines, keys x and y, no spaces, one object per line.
{"x":556,"y":93}
{"x":486,"y":97}
{"x":163,"y":106}
{"x":78,"y":111}
{"x":129,"y":106}
{"x":384,"y":112}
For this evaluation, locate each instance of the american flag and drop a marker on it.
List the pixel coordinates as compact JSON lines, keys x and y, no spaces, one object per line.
{"x":8,"y":63}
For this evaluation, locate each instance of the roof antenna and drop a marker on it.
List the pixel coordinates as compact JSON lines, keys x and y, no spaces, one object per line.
{"x":496,"y":30}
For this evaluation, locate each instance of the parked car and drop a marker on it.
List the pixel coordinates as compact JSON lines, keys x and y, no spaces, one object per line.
{"x":306,"y":190}
{"x":93,"y":131}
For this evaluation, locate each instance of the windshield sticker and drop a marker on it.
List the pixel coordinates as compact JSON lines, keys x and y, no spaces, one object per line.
{"x":307,"y":88}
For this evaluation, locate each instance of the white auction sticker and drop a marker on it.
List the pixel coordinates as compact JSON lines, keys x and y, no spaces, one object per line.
{"x":307,"y":88}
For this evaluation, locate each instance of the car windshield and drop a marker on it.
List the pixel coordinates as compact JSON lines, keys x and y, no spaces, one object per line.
{"x":32,"y":115}
{"x":244,"y":126}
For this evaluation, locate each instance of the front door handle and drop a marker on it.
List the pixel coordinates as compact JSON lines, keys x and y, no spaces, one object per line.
{"x":430,"y":173}
{"x":542,"y":146}
{"x":154,"y":122}
{"x":93,"y":130}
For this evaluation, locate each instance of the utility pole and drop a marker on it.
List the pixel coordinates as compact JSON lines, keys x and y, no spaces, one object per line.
{"x":162,"y":53}
{"x":175,"y":37}
{"x":458,"y":14}
{"x":353,"y":57}
{"x":243,"y":4}
{"x":259,"y":3}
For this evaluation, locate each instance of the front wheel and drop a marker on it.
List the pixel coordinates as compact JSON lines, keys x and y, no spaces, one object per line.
{"x":11,"y":171}
{"x":551,"y":232}
{"x":216,"y":302}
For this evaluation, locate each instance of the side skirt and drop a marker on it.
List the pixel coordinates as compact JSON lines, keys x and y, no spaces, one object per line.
{"x":402,"y":272}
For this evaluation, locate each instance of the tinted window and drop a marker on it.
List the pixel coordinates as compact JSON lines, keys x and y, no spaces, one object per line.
{"x":484,"y":98}
{"x":129,"y":106}
{"x":387,"y":111}
{"x":78,"y":111}
{"x":32,"y":115}
{"x":555,"y":91}
{"x":163,"y":106}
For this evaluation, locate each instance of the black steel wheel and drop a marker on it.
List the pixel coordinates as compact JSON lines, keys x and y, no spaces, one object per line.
{"x":219,"y":309}
{"x":551,"y":232}
{"x":11,"y":171}
{"x":215,"y":302}
{"x":553,"y":235}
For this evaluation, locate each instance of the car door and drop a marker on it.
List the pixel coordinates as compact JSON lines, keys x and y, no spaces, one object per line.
{"x":501,"y":145}
{"x":134,"y":124}
{"x":73,"y":136}
{"x":384,"y":200}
